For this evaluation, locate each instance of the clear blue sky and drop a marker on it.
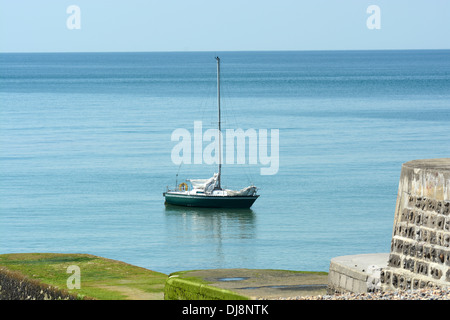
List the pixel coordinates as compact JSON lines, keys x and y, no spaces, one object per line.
{"x":210,"y":25}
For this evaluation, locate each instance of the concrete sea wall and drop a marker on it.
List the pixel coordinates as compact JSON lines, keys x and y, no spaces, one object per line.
{"x":420,"y":246}
{"x":356,"y":273}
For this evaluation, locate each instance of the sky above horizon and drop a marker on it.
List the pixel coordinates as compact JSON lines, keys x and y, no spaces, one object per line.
{"x":208,"y":25}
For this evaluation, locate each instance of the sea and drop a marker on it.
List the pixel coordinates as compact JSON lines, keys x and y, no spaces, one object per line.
{"x":86,"y":152}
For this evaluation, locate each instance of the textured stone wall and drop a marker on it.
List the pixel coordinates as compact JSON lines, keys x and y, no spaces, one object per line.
{"x":15,"y":286}
{"x":420,"y":247}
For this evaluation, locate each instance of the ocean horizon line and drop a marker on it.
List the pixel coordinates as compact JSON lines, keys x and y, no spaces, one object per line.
{"x":224,"y":51}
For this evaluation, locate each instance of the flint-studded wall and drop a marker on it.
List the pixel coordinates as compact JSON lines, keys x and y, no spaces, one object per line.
{"x":420,"y":247}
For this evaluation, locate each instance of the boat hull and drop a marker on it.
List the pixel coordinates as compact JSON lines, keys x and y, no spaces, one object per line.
{"x":204,"y":201}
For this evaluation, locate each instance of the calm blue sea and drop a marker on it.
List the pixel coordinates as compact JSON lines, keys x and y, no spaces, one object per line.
{"x":85,"y":152}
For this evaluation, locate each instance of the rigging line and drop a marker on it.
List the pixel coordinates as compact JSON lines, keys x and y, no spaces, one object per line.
{"x":229,"y":113}
{"x":176,"y":176}
{"x":207,"y":102}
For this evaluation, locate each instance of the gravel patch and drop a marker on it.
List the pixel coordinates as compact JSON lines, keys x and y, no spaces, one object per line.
{"x":421,"y":294}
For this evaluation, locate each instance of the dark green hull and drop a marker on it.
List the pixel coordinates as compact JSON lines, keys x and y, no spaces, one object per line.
{"x":209,"y":201}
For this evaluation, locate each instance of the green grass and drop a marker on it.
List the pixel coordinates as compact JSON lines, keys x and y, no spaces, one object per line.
{"x":192,"y":288}
{"x":101,"y":278}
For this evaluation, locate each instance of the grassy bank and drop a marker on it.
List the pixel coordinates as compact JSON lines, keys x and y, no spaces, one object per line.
{"x":100,"y":278}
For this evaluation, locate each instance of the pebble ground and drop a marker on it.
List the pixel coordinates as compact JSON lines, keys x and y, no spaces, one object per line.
{"x":421,"y":294}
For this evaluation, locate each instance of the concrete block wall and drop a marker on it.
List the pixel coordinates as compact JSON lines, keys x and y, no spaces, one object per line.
{"x":420,"y":246}
{"x":345,"y":280}
{"x":356,"y":273}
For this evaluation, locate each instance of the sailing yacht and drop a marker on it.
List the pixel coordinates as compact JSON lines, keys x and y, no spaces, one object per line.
{"x":208,"y":192}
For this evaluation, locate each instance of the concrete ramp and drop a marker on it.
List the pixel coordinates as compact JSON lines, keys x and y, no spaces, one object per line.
{"x":233,"y":284}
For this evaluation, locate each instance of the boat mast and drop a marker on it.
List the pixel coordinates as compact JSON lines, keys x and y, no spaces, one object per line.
{"x":220,"y":132}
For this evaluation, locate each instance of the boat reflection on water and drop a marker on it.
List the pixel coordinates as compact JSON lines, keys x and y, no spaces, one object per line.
{"x":217,"y":236}
{"x":213,"y":219}
{"x":238,"y":212}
